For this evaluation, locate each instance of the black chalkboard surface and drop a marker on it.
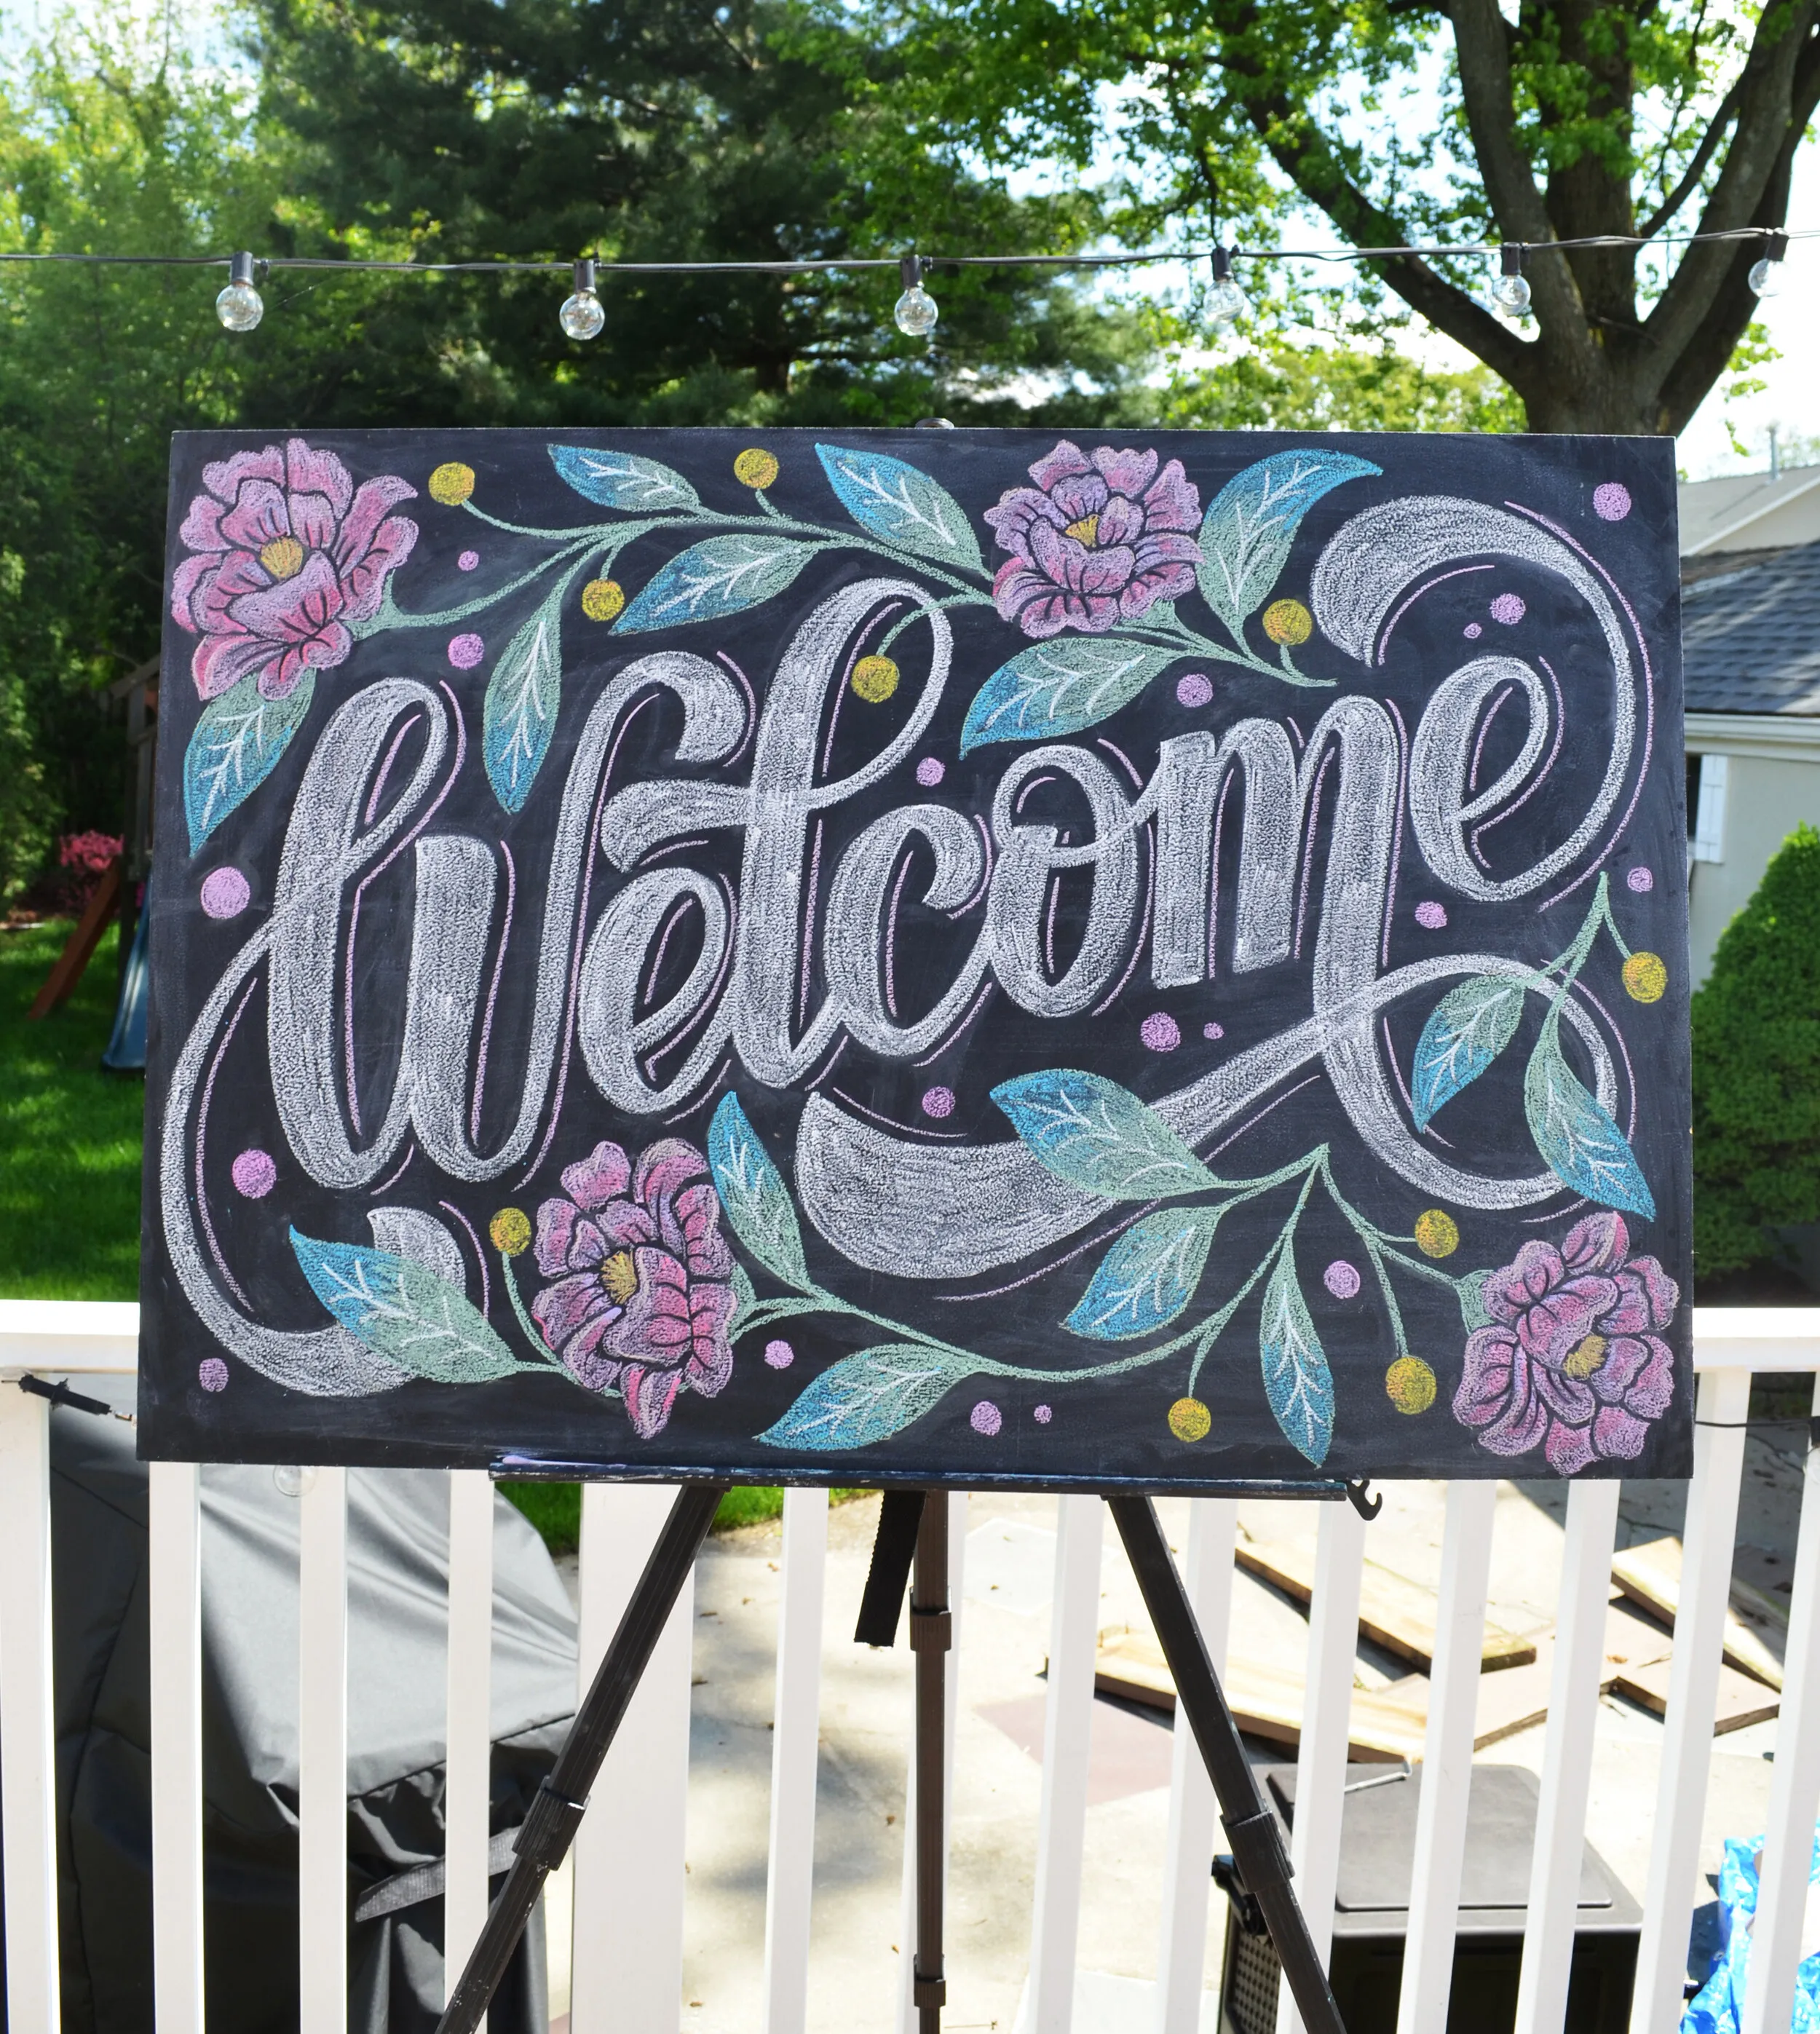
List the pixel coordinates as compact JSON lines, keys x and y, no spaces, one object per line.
{"x":967,"y":955}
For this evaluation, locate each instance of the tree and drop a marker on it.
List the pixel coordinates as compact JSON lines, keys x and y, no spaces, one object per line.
{"x":1408,"y":121}
{"x":1757,"y":1067}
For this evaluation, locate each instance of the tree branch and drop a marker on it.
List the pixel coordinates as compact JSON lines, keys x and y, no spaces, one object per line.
{"x":1715,"y":127}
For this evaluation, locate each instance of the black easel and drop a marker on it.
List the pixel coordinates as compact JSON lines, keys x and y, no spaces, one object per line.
{"x":911,"y":1529}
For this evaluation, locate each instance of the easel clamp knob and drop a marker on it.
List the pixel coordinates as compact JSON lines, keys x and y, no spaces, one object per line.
{"x":927,"y":1991}
{"x":1257,"y":1849}
{"x":931,"y":1630}
{"x":549,"y":1828}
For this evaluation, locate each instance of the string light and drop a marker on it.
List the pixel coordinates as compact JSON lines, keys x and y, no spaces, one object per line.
{"x":581,"y":316}
{"x":1510,"y":293}
{"x":1226,"y":303}
{"x":1766,"y":275}
{"x":240,"y":306}
{"x":915,"y":311}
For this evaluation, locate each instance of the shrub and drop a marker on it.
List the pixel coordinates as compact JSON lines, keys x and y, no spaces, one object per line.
{"x":1757,"y":1067}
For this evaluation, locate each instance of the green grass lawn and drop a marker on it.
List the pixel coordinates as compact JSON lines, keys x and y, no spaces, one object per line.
{"x":69,"y":1134}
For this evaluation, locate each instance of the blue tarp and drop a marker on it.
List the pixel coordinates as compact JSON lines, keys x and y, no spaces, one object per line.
{"x":1719,"y":2009}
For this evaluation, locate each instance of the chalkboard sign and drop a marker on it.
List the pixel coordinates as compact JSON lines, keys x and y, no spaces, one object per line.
{"x":1131,"y":958}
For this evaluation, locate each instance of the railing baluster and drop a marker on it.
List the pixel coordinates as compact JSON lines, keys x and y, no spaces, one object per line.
{"x":907,"y":2021}
{"x":28,"y":1724}
{"x":794,"y":1757}
{"x":322,"y":1754}
{"x":1447,"y":1759}
{"x":1181,"y":1957}
{"x":1776,"y":1947}
{"x":1327,"y":1730}
{"x":628,"y":1953}
{"x":1067,"y":1734}
{"x":467,"y":1806}
{"x":174,"y":1555}
{"x":1712,"y":1525}
{"x":1567,"y":1757}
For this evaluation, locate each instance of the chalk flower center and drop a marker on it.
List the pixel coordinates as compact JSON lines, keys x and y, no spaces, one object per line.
{"x":620,"y":1276}
{"x":1086,"y":530}
{"x":1586,"y":1358}
{"x":283,"y":557}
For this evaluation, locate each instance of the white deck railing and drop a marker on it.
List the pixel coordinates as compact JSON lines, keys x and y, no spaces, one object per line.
{"x":628,"y":1970}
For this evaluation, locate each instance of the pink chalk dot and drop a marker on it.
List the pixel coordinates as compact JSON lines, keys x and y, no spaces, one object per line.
{"x":468,"y":561}
{"x":986,"y":1418}
{"x":224,"y":893}
{"x":1472,"y":632}
{"x":1611,"y":501}
{"x":1431,"y":914}
{"x":779,"y":1355}
{"x":1640,"y":879}
{"x":939,"y":1101}
{"x":212,"y":1374}
{"x":1043,"y":1415}
{"x":1195,"y":689}
{"x":1213,"y":1030}
{"x":466,"y":652}
{"x":254,"y":1174}
{"x":1161,"y":1032}
{"x":930,"y":772}
{"x":1340,"y":1279}
{"x":1508,"y":609}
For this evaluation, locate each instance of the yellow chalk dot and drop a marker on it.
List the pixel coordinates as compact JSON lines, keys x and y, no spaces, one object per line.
{"x":875,"y":678}
{"x":1646,"y":978}
{"x":755,"y":468}
{"x":1437,"y":1234}
{"x":1189,"y":1421}
{"x":1288,"y":622}
{"x":451,"y":484}
{"x":602,"y":599}
{"x":1409,"y":1384}
{"x":510,"y":1230}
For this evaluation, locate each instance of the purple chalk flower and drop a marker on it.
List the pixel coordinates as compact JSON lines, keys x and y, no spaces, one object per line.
{"x":1640,"y":879}
{"x":1161,"y":1032}
{"x":468,"y":561}
{"x":1043,"y":1415}
{"x":1611,"y":500}
{"x":212,"y":1374}
{"x":779,"y":1355}
{"x":939,"y":1102}
{"x":1213,"y":1030}
{"x":1509,"y":608}
{"x":1472,"y":632}
{"x":1196,"y":689}
{"x":930,"y":772}
{"x":1340,"y":1279}
{"x":986,"y":1418}
{"x":253,"y":1174}
{"x":465,"y":651}
{"x":225,"y":894}
{"x":1430,"y":915}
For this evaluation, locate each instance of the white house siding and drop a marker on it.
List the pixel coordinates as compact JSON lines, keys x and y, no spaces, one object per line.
{"x":1772,"y":784}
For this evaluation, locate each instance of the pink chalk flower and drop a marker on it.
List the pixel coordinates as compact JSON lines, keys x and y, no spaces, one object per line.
{"x":1573,"y":1359}
{"x":1097,"y":541}
{"x":286,"y":555}
{"x":640,"y":1294}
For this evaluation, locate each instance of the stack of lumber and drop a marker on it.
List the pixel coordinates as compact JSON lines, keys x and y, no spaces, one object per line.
{"x":1516,"y":1671}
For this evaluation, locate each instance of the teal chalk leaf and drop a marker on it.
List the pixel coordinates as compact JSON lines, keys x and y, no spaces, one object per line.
{"x":519,"y":715}
{"x":1252,"y":522}
{"x":1296,"y":1379}
{"x":1466,"y":1032}
{"x":866,"y":1397}
{"x":752,"y":1192}
{"x":1582,"y":1146}
{"x":894,"y":500}
{"x":1061,"y":687}
{"x":744,"y":1299}
{"x":720,"y":576}
{"x":623,"y":480}
{"x":1147,"y":1277}
{"x":409,"y":1314}
{"x":1471,"y":1289}
{"x":1094,"y":1133}
{"x":237,"y":742}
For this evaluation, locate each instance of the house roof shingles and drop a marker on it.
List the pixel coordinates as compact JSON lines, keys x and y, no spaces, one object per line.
{"x":1750,"y":638}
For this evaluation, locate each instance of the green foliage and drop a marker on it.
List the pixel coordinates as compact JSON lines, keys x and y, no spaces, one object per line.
{"x":1284,"y":388}
{"x":69,"y":1134}
{"x":1757,"y":1067}
{"x":555,"y":1509}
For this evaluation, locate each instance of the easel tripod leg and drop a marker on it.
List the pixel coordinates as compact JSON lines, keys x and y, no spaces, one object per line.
{"x":555,"y":1812}
{"x":932,"y":1636}
{"x":1257,"y":1843}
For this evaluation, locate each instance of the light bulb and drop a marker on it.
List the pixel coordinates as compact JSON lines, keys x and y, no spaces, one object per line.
{"x":1226,"y":304}
{"x":240,"y":306}
{"x":1765,"y":277}
{"x":581,"y":316}
{"x":915,"y":311}
{"x":1511,"y":295}
{"x":293,"y":1481}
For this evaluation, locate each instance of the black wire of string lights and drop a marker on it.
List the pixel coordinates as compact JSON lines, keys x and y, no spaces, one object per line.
{"x":240,"y":307}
